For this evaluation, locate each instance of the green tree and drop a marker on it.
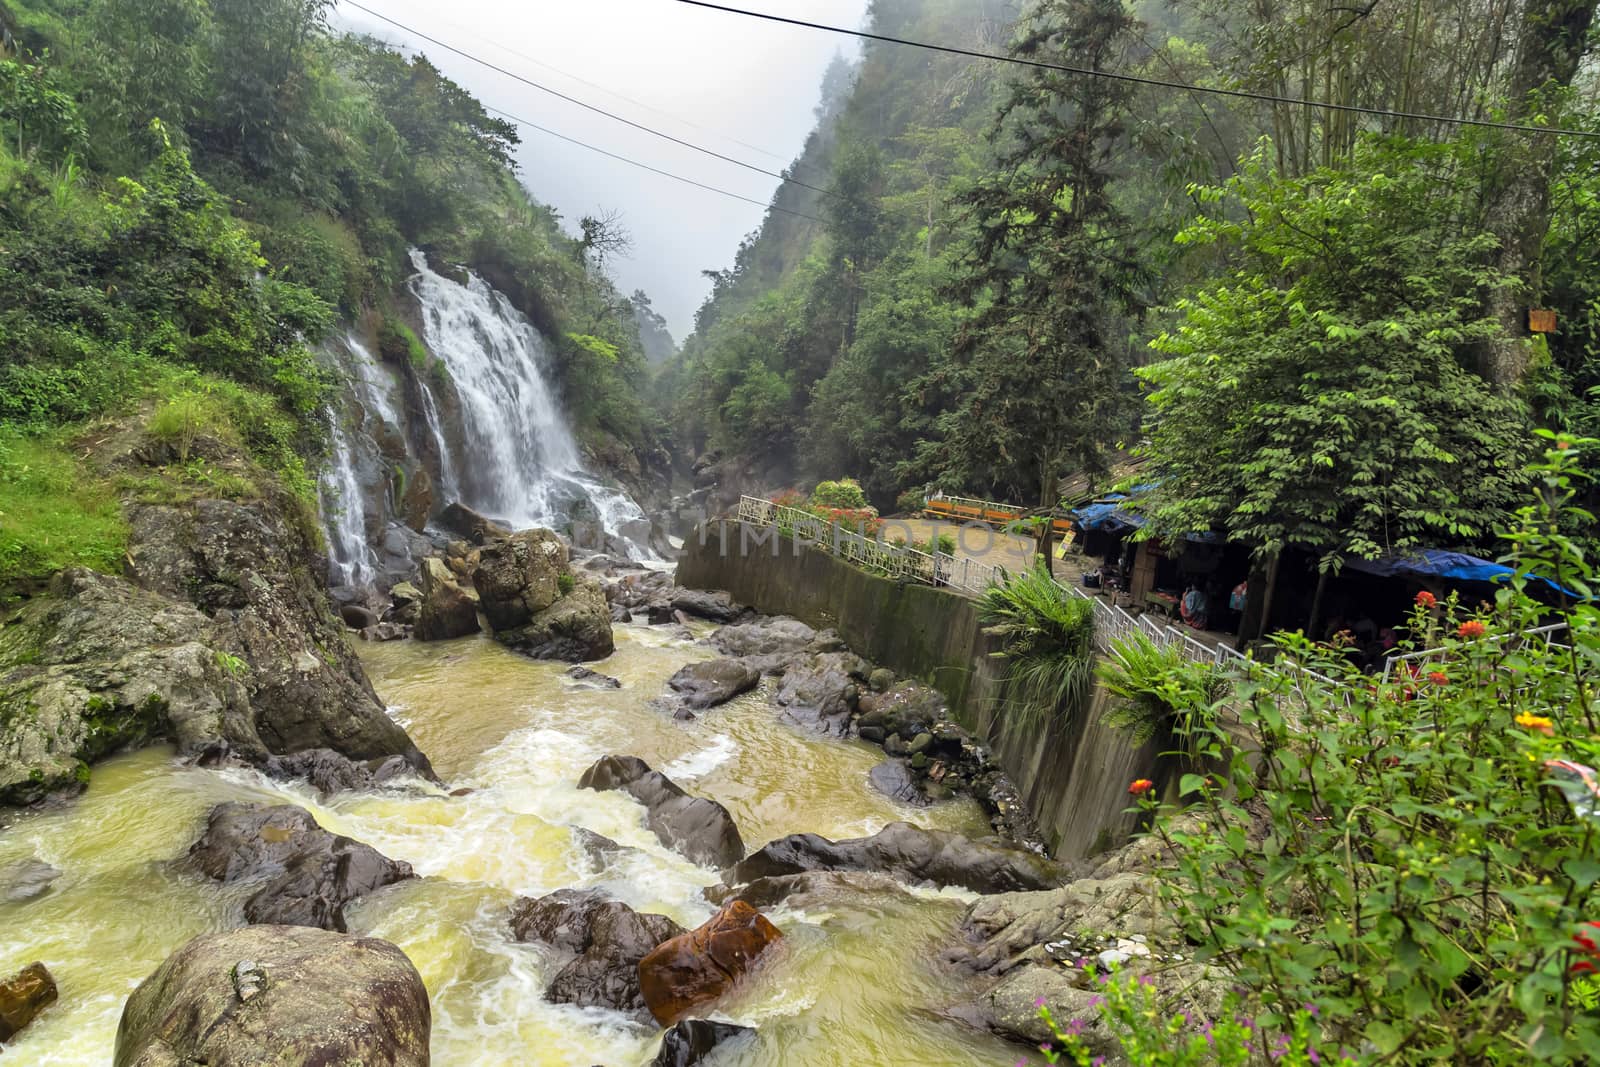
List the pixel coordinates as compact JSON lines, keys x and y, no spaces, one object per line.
{"x":1316,"y":395}
{"x":1054,"y":274}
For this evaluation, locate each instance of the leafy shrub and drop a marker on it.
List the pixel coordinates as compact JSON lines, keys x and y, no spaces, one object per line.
{"x":181,"y":418}
{"x":1159,"y":689}
{"x":844,"y":494}
{"x":566,"y":583}
{"x":1416,"y":857}
{"x":910,"y":502}
{"x":1047,"y":638}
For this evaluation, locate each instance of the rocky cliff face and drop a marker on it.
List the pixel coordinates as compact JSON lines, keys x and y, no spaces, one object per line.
{"x":219,"y":633}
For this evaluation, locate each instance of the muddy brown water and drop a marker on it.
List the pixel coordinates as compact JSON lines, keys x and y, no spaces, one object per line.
{"x":855,"y":982}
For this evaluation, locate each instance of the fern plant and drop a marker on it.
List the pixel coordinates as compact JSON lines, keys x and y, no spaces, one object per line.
{"x":1158,"y":687}
{"x":1047,"y":638}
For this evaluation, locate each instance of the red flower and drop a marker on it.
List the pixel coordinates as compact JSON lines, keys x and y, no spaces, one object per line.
{"x":1438,"y":678}
{"x":1586,"y":937}
{"x":1141,"y":786}
{"x":1426,"y":599}
{"x":1584,"y":967}
{"x":1470,"y":629}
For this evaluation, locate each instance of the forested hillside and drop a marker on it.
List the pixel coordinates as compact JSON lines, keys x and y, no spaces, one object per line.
{"x":192,"y":192}
{"x":1313,"y":320}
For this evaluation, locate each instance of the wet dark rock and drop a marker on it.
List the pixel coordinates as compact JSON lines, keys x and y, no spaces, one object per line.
{"x":448,"y":610}
{"x":694,"y":970}
{"x":328,"y":772}
{"x":598,"y":847}
{"x":820,"y":692}
{"x":519,"y":576}
{"x":809,"y":888}
{"x":309,"y":873}
{"x":589,"y":679}
{"x":716,"y":606}
{"x":605,"y":939}
{"x":691,"y":1041}
{"x":779,"y":635}
{"x":634,"y":591}
{"x":314,"y":998}
{"x":358,"y":616}
{"x":621,"y":614}
{"x":698,"y":828}
{"x":660,"y":613}
{"x":470,"y":525}
{"x":23,"y":996}
{"x":894,"y":779}
{"x":576,"y":628}
{"x":909,"y":853}
{"x":26,"y":880}
{"x":386,"y":631}
{"x":713,"y":682}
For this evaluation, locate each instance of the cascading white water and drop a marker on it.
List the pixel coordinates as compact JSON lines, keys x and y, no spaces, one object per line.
{"x":521,"y":463}
{"x":351,"y":560}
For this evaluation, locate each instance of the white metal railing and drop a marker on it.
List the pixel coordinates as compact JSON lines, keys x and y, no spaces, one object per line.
{"x":1546,"y":633}
{"x":966,"y":576}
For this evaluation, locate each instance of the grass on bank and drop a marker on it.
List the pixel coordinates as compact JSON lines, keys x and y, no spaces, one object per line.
{"x":54,"y":512}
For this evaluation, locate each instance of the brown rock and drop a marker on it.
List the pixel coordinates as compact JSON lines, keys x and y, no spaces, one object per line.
{"x":691,"y":971}
{"x":448,"y":611}
{"x":23,"y":996}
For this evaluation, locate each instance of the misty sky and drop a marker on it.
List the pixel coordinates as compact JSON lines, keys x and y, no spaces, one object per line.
{"x":723,"y":79}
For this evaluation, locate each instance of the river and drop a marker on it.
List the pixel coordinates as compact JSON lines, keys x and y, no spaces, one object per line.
{"x":854,"y":983}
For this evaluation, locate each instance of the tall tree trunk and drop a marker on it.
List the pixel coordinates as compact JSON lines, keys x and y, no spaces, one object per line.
{"x":1552,"y":42}
{"x":1048,"y":494}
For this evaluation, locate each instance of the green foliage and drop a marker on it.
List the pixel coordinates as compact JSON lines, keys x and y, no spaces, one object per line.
{"x":53,"y":512}
{"x":1160,"y":691}
{"x":1047,"y":642}
{"x":844,"y":493}
{"x":1317,"y":396}
{"x":1407,"y":856}
{"x":37,"y":114}
{"x":1149,"y":1035}
{"x":566,"y":583}
{"x":911,"y":501}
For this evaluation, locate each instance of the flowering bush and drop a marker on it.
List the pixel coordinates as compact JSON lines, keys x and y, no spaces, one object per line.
{"x":1420,"y":863}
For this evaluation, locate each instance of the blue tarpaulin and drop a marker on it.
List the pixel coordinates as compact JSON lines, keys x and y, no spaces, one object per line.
{"x":1437,"y":563}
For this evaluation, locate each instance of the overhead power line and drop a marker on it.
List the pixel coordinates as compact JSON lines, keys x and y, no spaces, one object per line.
{"x":645,"y":166}
{"x":1238,"y":94}
{"x":585,"y":105}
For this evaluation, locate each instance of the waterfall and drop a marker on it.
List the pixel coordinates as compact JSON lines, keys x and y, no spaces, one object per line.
{"x":518,"y":461}
{"x":351,"y":560}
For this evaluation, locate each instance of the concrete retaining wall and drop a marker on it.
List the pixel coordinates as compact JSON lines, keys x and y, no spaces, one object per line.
{"x":1074,"y":775}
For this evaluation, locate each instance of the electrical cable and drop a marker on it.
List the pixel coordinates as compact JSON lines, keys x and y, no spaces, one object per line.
{"x":1139,"y":80}
{"x":645,"y":166}
{"x":587,"y":106}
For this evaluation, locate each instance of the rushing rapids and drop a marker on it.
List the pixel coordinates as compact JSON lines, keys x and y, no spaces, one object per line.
{"x":854,"y":982}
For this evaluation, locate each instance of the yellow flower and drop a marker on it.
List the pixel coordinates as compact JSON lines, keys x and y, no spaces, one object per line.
{"x":1536,"y":722}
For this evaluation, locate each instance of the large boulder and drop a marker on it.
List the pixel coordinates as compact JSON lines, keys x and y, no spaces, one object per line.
{"x":448,"y":610}
{"x":309,"y":874}
{"x":22,"y":997}
{"x":470,"y":525}
{"x":716,"y":606}
{"x":820,"y":692}
{"x":269,"y":995}
{"x":328,"y":772}
{"x":698,"y":828}
{"x":576,"y":628}
{"x":98,"y":664}
{"x":691,"y":1041}
{"x":776,"y":636}
{"x":714,"y":681}
{"x":695,"y":969}
{"x":519,"y":576}
{"x":254,"y":570}
{"x":910,"y":853}
{"x":604,"y":940}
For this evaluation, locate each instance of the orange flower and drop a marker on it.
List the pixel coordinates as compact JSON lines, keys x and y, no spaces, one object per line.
{"x":1438,"y":678}
{"x":1537,"y":723}
{"x":1426,"y":599}
{"x":1141,"y":786}
{"x":1470,"y":629}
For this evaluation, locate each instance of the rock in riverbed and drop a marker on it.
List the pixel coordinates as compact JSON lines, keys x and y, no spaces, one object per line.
{"x":909,"y":853}
{"x":700,"y":829}
{"x":310,"y":873}
{"x":716,"y":681}
{"x":576,"y":628}
{"x":23,"y":996}
{"x":695,"y":969}
{"x":604,"y":940}
{"x":691,"y":1041}
{"x":519,"y":576}
{"x":314,"y":997}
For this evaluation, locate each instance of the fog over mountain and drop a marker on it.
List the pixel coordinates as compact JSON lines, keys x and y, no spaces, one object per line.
{"x":702,"y":76}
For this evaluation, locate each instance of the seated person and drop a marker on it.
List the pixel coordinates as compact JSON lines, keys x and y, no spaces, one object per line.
{"x":1195,"y":607}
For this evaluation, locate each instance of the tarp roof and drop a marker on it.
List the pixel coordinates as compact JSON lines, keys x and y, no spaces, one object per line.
{"x":1438,"y":563}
